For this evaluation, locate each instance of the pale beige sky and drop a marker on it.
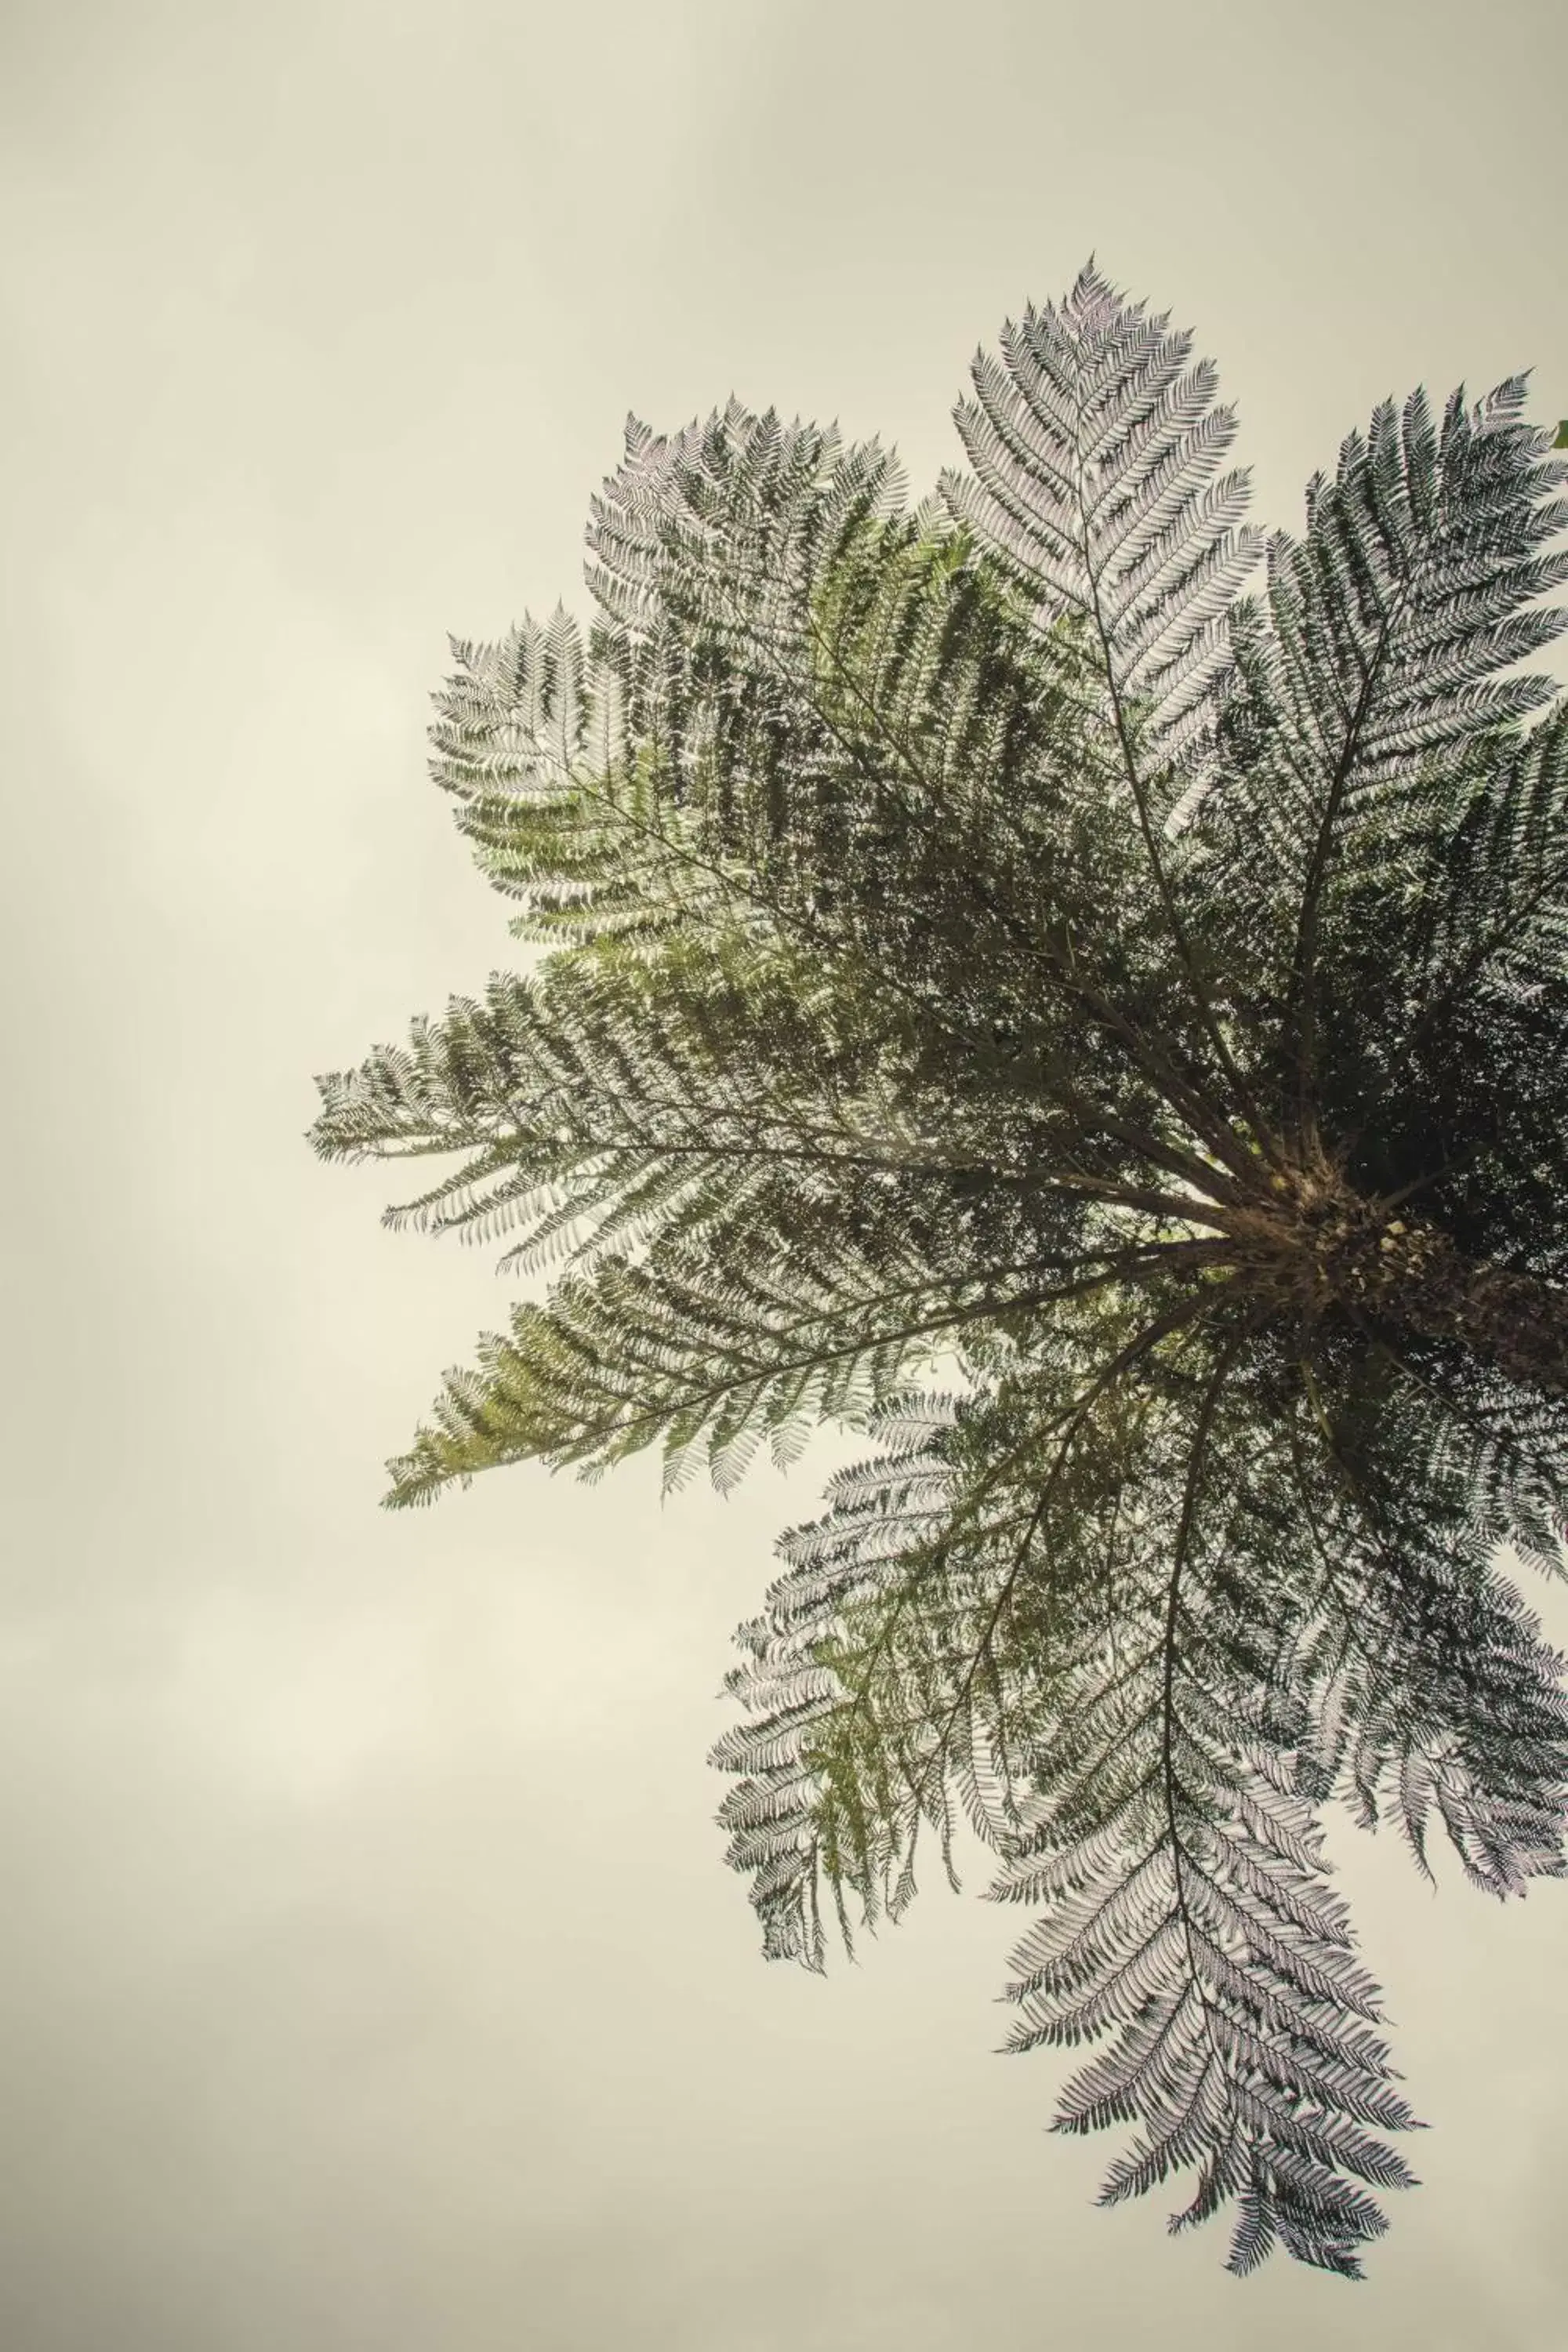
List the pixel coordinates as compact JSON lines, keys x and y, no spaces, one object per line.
{"x":372,"y":1981}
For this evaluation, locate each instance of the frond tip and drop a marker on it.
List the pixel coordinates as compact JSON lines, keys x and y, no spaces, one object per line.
{"x":1095,"y":447}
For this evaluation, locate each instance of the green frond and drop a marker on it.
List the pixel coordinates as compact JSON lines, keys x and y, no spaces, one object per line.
{"x":623,"y":1093}
{"x":670,"y":1351}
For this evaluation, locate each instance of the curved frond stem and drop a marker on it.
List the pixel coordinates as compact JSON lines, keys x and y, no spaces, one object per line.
{"x":1247,"y":1105}
{"x":1197,"y":1461}
{"x":1300,"y":1004}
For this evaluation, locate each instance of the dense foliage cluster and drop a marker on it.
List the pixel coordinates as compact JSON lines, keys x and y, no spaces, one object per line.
{"x":982,"y":936}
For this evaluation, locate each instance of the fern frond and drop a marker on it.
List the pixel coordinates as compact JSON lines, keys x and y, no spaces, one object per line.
{"x":565,"y":809}
{"x":729,"y":524}
{"x":670,"y":1349}
{"x":1094,"y":450}
{"x":1374,"y":662}
{"x":1186,"y":1918}
{"x":616,"y":1096}
{"x":1425,"y":1677}
{"x":1493,"y":899}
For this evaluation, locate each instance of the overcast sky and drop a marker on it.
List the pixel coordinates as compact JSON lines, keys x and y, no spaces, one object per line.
{"x":371,"y":1979}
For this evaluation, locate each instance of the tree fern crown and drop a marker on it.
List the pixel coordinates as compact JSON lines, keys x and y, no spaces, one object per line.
{"x":1098,"y":1032}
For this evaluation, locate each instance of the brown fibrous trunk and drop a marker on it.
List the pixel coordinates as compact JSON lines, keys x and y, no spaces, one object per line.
{"x":1320,"y":1246}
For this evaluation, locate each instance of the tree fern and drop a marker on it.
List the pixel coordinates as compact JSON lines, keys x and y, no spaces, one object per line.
{"x":981,"y":935}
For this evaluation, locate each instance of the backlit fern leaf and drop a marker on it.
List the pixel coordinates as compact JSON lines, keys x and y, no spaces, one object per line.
{"x":1094,"y":447}
{"x":1184,"y":1916}
{"x":946,"y":1624}
{"x":1364,"y":685}
{"x":590,"y":1117}
{"x":663,"y":1351}
{"x":1426,"y":1681}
